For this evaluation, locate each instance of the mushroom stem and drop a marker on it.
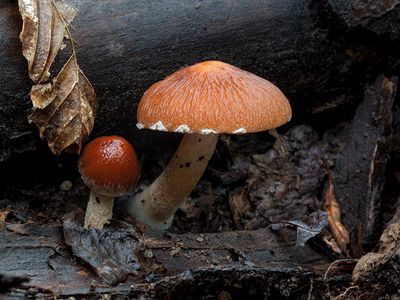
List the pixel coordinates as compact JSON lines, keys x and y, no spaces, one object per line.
{"x":98,"y":211}
{"x":156,"y":204}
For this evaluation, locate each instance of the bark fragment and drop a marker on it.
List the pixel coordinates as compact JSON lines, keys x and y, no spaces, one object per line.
{"x":360,"y":169}
{"x":114,"y":253}
{"x":39,"y":252}
{"x":382,"y":267}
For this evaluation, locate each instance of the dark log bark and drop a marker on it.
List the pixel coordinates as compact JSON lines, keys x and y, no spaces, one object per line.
{"x":360,"y":169}
{"x":9,"y":282}
{"x":219,"y":260}
{"x":376,"y":16}
{"x":123,"y":47}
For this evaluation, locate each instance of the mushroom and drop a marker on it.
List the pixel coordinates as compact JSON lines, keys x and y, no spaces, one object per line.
{"x":201,"y":101}
{"x":110,"y":168}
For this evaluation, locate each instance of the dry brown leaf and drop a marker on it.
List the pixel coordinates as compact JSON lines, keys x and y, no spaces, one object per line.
{"x":43,"y":31}
{"x":64,"y":110}
{"x":4,"y":214}
{"x":18,"y":228}
{"x":339,"y":232}
{"x":309,"y":227}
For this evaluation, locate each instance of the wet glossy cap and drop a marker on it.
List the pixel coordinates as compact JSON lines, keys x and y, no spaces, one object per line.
{"x":213,"y":97}
{"x":109,"y":166}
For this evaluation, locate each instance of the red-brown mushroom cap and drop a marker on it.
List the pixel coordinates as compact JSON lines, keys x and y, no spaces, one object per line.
{"x":213,"y":97}
{"x":109,"y":166}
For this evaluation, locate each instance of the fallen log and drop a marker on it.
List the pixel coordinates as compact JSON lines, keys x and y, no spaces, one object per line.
{"x":124,"y":47}
{"x":219,"y":260}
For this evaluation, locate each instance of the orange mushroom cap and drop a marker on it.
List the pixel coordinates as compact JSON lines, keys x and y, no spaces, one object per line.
{"x":213,"y":97}
{"x":109,"y":166}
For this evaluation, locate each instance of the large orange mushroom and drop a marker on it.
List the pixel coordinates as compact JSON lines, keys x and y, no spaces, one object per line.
{"x":202,"y":101}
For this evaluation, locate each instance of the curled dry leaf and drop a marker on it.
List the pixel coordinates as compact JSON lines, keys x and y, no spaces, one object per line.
{"x":43,"y":31}
{"x":4,"y":213}
{"x":64,"y":109}
{"x":339,"y":232}
{"x":306,"y":228}
{"x":309,"y":227}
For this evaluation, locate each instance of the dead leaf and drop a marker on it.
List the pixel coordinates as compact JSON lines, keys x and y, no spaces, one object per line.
{"x":63,"y":109}
{"x":309,"y":227}
{"x":306,"y":228}
{"x":339,"y":232}
{"x":66,"y":110}
{"x":4,"y":214}
{"x":114,"y":253}
{"x":18,"y":228}
{"x":43,"y":31}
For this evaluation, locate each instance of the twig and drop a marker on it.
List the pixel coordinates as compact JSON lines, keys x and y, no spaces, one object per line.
{"x":281,"y":148}
{"x":336,"y":262}
{"x":344,"y":294}
{"x":310,"y":290}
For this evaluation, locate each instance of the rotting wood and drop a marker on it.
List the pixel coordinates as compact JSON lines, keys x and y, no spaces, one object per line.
{"x":382,"y":268}
{"x":360,"y":169}
{"x":38,"y":252}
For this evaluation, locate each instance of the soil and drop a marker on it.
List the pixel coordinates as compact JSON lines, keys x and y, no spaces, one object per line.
{"x":251,"y":182}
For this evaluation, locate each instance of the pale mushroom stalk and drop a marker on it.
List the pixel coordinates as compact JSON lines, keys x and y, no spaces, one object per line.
{"x":156,"y":204}
{"x":99,"y":210}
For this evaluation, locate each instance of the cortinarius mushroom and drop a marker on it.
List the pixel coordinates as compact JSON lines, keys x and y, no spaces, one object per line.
{"x":110,"y":168}
{"x":202,"y":101}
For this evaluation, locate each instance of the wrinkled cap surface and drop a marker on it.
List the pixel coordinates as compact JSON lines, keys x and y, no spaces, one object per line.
{"x":109,"y":166}
{"x":213,"y":97}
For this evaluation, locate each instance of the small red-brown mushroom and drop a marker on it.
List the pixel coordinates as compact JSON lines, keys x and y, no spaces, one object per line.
{"x":110,"y":168}
{"x":202,"y":101}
